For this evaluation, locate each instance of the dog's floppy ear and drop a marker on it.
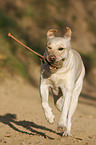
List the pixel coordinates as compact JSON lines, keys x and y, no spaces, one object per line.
{"x":50,"y":34}
{"x":68,"y":33}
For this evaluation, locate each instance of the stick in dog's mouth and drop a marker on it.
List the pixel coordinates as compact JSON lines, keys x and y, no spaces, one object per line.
{"x":56,"y":65}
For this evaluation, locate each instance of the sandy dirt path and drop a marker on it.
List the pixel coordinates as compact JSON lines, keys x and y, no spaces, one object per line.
{"x":22,"y":120}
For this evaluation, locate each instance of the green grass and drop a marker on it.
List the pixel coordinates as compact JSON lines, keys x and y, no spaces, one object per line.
{"x":89,"y":60}
{"x":20,"y":68}
{"x":92,"y":26}
{"x":42,"y":16}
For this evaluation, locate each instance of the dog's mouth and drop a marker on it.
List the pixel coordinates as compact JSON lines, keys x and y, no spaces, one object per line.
{"x":56,"y":65}
{"x":51,"y":67}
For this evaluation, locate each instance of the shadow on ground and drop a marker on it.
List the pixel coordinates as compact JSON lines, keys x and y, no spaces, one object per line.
{"x":10,"y":119}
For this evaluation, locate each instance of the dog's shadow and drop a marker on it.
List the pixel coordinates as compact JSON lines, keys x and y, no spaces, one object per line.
{"x":10,"y":120}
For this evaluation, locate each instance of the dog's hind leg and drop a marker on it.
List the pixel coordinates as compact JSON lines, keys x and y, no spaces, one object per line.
{"x":44,"y":88}
{"x":57,"y":95}
{"x":59,"y":104}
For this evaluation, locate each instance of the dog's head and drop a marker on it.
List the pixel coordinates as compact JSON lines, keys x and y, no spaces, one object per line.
{"x":57,"y":48}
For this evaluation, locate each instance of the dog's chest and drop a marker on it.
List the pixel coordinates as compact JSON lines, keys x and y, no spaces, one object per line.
{"x":56,"y":81}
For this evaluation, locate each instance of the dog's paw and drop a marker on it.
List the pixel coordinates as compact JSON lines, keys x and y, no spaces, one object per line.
{"x":67,"y":133}
{"x":49,"y":116}
{"x":61,"y":127}
{"x":51,"y":119}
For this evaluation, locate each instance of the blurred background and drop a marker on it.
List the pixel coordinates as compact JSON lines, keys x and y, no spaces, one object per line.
{"x":22,"y":119}
{"x":29,"y":21}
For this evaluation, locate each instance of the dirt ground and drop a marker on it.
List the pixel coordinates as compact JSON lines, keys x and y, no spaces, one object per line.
{"x":22,"y":121}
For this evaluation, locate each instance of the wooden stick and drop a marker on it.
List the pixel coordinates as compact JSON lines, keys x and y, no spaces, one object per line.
{"x":9,"y":35}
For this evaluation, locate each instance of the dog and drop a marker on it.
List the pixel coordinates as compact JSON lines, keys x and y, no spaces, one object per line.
{"x":63,"y":72}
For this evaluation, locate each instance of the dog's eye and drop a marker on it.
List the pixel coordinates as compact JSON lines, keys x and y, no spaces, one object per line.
{"x":60,"y":49}
{"x":49,"y":47}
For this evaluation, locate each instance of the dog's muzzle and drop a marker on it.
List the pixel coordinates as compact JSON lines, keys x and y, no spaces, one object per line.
{"x":52,"y":58}
{"x":53,"y":64}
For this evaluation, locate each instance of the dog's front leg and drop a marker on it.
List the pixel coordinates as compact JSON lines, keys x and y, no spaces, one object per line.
{"x":65,"y":108}
{"x":44,"y":90}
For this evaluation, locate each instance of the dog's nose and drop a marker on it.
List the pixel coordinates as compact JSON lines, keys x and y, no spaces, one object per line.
{"x":52,"y":58}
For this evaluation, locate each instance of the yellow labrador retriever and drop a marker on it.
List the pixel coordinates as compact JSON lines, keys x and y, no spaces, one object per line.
{"x":63,"y":73}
